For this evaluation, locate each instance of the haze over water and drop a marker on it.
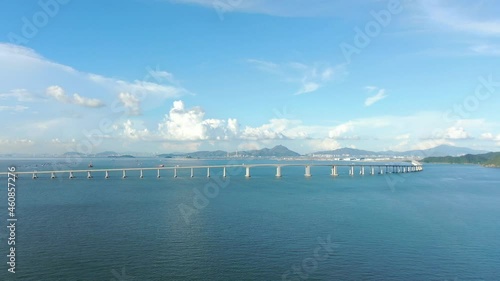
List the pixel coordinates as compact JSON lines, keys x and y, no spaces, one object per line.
{"x":439,"y":224}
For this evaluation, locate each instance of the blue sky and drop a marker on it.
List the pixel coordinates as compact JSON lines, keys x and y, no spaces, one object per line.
{"x":183,"y":75}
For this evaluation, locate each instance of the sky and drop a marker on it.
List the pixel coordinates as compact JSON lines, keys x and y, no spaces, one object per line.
{"x":159,"y":76}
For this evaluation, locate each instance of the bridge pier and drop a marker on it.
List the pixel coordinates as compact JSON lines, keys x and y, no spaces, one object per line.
{"x":373,"y":171}
{"x":308,"y":171}
{"x":53,"y":175}
{"x":106,"y":176}
{"x":35,"y":176}
{"x":381,"y":170}
{"x":362,"y":171}
{"x":89,"y":175}
{"x":192,"y":172}
{"x":278,"y":171}
{"x":351,"y":171}
{"x":124,"y":176}
{"x":334,"y":171}
{"x":158,"y":174}
{"x":175,"y":172}
{"x":71,"y":176}
{"x":141,"y":175}
{"x":208,"y":172}
{"x":247,"y":172}
{"x":224,"y":172}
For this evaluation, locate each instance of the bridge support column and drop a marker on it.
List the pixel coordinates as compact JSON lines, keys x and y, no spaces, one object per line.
{"x":141,"y":175}
{"x":381,"y":170}
{"x":308,"y":171}
{"x":71,"y":176}
{"x":208,"y":172}
{"x":106,"y":176}
{"x":192,"y":172}
{"x":224,"y":172}
{"x":124,"y":174}
{"x":278,"y":171}
{"x":158,"y":174}
{"x":351,"y":171}
{"x":53,"y":175}
{"x":362,"y":171}
{"x":35,"y":176}
{"x":373,"y":170}
{"x":175,"y":172}
{"x":89,"y":175}
{"x":334,"y":171}
{"x":247,"y":173}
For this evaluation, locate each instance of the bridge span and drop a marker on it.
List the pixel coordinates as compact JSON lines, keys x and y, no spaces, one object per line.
{"x":353,"y":169}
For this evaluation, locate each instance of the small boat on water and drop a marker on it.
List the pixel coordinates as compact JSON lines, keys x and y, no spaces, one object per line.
{"x":90,"y":165}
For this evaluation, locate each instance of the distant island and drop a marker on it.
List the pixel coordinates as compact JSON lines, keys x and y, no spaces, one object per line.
{"x":277,"y":151}
{"x":121,"y":156}
{"x":491,"y":159}
{"x":434,"y":154}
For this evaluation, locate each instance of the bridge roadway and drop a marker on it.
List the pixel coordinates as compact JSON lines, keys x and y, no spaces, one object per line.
{"x":381,"y":169}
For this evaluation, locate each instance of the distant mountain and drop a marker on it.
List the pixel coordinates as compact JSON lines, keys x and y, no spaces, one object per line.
{"x":106,"y":154}
{"x":73,"y":153}
{"x":277,"y":151}
{"x":346,"y":151}
{"x":493,"y":162}
{"x":207,"y":154}
{"x":167,"y":155}
{"x":441,"y":150}
{"x":487,"y":159}
{"x":121,"y":156}
{"x":445,"y":150}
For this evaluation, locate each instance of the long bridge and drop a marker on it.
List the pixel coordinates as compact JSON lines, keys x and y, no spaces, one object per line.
{"x":360,"y":169}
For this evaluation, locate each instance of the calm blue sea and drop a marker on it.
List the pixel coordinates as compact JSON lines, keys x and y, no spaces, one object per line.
{"x":439,"y":224}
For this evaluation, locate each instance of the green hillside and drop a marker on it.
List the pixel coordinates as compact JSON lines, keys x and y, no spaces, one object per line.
{"x":493,"y":162}
{"x":491,"y":159}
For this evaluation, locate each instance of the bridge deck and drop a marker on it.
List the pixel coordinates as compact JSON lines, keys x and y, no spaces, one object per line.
{"x":208,"y":167}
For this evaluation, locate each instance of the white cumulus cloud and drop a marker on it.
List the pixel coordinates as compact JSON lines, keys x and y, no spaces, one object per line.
{"x":131,"y":103}
{"x":456,"y":133}
{"x":340,"y":130}
{"x":190,"y":124}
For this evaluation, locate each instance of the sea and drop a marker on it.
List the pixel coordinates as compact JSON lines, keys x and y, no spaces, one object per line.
{"x":442,"y":223}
